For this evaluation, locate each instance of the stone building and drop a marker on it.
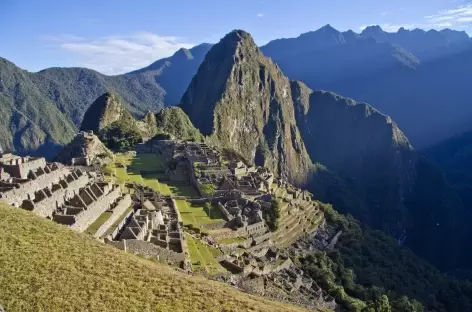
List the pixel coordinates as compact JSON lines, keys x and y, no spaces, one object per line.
{"x":20,"y":167}
{"x":80,"y":211}
{"x":154,"y":229}
{"x":45,"y":201}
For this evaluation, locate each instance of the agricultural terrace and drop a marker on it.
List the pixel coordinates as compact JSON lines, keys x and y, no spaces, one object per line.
{"x":197,"y":215}
{"x":203,"y":256}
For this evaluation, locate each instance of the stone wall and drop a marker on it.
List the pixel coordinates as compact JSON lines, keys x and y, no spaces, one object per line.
{"x":20,"y":167}
{"x":26,"y":190}
{"x":120,"y":208}
{"x":148,"y":250}
{"x":80,"y":161}
{"x":46,"y":206}
{"x":95,"y":209}
{"x":120,"y":226}
{"x":213,"y":226}
{"x":259,"y":239}
{"x":256,"y":228}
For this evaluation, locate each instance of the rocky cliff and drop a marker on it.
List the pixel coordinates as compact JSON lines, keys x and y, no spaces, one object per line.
{"x":363,"y":147}
{"x":104,"y":111}
{"x":241,"y":100}
{"x":113,"y":123}
{"x":173,"y":121}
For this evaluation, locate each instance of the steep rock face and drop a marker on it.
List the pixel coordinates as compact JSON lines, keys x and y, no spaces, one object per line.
{"x":106,"y":110}
{"x":113,"y":123}
{"x":363,"y":147}
{"x":241,"y":100}
{"x":173,"y":121}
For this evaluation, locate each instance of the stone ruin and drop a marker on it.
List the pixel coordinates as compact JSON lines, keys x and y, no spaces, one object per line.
{"x":48,"y":199}
{"x":241,"y":212}
{"x":80,"y":211}
{"x":268,"y":261}
{"x":20,"y":167}
{"x":154,"y":229}
{"x":198,"y":152}
{"x":67,"y":195}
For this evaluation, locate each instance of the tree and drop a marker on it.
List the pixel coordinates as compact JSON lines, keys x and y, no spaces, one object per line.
{"x":209,"y":191}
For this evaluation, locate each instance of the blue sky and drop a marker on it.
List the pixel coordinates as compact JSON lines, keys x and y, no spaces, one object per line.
{"x":116,"y":36}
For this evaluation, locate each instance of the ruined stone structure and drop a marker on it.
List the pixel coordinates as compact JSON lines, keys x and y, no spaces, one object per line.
{"x":45,"y":201}
{"x":117,"y":210}
{"x":15,"y":190}
{"x":198,"y":152}
{"x":20,"y":167}
{"x":80,"y":211}
{"x":154,"y":229}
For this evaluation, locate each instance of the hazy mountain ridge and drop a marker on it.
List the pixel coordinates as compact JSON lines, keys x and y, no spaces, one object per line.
{"x":392,"y":70}
{"x":174,"y":73}
{"x":363,"y":147}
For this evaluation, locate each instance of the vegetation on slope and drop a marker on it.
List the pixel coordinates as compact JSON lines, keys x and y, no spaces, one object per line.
{"x":46,"y":267}
{"x":173,"y":121}
{"x":241,"y":100}
{"x":29,"y":123}
{"x":364,"y":148}
{"x":366,"y":265}
{"x":115,"y":126}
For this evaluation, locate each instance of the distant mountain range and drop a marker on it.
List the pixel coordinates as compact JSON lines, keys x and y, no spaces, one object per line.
{"x":417,"y":77}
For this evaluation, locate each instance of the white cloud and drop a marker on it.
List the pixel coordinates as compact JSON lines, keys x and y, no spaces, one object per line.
{"x":459,"y":15}
{"x":118,"y":54}
{"x":260,"y":15}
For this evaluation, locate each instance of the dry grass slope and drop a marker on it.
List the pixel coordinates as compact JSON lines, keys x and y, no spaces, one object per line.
{"x":46,"y":267}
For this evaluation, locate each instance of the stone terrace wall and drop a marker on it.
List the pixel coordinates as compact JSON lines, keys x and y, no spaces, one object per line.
{"x":94,"y":210}
{"x":48,"y":205}
{"x":148,"y":250}
{"x":124,"y":204}
{"x":16,"y":196}
{"x":120,"y":226}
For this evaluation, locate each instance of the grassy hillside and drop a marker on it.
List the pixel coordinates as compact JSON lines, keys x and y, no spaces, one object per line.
{"x":46,"y":267}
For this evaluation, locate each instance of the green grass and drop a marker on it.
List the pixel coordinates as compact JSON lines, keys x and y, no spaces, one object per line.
{"x":184,"y":190}
{"x":48,"y":267}
{"x":204,"y":255}
{"x":134,"y":166}
{"x":197,"y":215}
{"x":93,"y":228}
{"x":232,"y":240}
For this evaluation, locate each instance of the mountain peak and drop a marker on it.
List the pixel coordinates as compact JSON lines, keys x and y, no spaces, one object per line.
{"x":183,"y":53}
{"x":239,"y":99}
{"x":238,"y":35}
{"x":105,"y":110}
{"x":373,"y":29}
{"x":328,"y":27}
